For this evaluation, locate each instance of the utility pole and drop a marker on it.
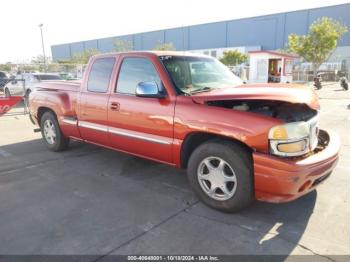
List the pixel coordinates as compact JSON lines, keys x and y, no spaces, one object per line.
{"x":42,"y":43}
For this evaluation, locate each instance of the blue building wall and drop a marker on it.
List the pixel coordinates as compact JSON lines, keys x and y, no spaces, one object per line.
{"x":270,"y":32}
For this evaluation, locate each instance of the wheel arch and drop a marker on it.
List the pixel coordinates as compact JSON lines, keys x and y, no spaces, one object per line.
{"x":195,"y":139}
{"x":42,"y":110}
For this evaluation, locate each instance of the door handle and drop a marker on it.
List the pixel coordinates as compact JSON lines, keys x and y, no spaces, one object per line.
{"x":115,"y":106}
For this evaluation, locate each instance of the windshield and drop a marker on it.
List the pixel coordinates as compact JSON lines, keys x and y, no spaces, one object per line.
{"x":198,"y":74}
{"x":47,"y":77}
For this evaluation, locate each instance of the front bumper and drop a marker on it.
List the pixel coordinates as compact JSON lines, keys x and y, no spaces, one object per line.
{"x":281,"y":179}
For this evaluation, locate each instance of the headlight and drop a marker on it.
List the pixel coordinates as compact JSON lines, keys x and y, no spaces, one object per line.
{"x":294,"y":130}
{"x":290,"y":139}
{"x":292,"y":147}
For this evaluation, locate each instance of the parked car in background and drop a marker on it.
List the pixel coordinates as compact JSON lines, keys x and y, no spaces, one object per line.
{"x":238,"y":142}
{"x":24,"y":84}
{"x":67,"y":76}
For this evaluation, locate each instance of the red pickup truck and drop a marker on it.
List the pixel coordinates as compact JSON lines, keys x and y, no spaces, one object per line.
{"x":239,"y":142}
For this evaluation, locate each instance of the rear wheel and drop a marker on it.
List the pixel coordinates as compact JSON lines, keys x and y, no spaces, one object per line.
{"x":52,"y":134}
{"x":222,"y":176}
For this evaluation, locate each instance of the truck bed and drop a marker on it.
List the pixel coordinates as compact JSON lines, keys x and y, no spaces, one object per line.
{"x":62,"y":85}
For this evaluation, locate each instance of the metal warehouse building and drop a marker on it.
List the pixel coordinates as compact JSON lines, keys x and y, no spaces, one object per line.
{"x":269,"y":32}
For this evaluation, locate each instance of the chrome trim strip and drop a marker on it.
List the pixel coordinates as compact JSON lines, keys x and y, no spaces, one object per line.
{"x":97,"y":127}
{"x":123,"y":132}
{"x":313,"y":124}
{"x":70,"y":121}
{"x":118,"y":131}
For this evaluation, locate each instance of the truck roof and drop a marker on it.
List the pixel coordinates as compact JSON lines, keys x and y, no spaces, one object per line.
{"x":153,"y":52}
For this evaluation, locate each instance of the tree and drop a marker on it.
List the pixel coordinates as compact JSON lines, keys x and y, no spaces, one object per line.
{"x":318,"y":44}
{"x":29,"y":68}
{"x":83,"y":57}
{"x":121,"y":45}
{"x":233,"y":57}
{"x":6,"y":67}
{"x":38,"y":62}
{"x":66,"y":65}
{"x":54,"y":67}
{"x":164,"y":47}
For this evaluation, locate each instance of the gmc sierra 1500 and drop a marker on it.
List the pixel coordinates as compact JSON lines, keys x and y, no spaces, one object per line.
{"x":238,"y":142}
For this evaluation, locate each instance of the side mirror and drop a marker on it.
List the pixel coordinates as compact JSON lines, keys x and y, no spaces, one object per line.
{"x":14,"y":82}
{"x":148,"y":89}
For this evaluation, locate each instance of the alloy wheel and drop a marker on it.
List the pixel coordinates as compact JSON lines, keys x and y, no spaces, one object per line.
{"x":217,"y":178}
{"x":49,"y":132}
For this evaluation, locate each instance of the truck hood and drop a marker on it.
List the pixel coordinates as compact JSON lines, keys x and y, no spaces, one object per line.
{"x":276,"y":92}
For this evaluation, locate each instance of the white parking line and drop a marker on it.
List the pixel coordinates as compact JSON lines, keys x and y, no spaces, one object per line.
{"x":4,"y":153}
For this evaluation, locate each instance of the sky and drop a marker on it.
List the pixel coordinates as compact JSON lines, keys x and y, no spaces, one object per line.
{"x":72,"y":20}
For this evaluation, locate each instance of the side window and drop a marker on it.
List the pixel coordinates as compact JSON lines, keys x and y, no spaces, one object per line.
{"x":100,"y":75}
{"x":133,"y":71}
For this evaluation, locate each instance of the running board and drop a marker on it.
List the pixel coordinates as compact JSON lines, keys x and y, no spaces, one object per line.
{"x":37,"y":130}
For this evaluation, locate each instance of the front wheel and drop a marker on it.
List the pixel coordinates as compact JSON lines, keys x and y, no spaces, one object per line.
{"x":52,"y":134}
{"x":221,"y":174}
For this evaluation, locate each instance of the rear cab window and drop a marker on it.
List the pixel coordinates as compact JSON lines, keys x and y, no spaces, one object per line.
{"x":100,"y":75}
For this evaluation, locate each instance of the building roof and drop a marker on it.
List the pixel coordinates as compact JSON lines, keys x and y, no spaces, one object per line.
{"x":273,"y":53}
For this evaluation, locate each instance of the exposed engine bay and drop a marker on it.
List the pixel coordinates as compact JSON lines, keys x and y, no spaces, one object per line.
{"x":288,"y":112}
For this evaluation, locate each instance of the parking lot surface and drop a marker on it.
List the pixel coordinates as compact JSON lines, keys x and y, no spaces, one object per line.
{"x":90,"y":200}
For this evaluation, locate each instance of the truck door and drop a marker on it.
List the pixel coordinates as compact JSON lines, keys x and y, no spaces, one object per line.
{"x":139,"y":125}
{"x":94,"y":102}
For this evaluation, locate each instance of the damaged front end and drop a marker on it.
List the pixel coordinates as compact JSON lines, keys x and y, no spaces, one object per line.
{"x":297,"y":136}
{"x":285,"y":111}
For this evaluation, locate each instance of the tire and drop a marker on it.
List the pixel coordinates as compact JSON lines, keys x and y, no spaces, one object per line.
{"x":237,"y":170}
{"x":52,"y":134}
{"x":7,"y":92}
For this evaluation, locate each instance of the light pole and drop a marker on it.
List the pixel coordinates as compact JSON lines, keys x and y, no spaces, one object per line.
{"x":42,"y":43}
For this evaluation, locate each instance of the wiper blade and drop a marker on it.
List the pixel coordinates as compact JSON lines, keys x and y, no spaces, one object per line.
{"x":204,"y":89}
